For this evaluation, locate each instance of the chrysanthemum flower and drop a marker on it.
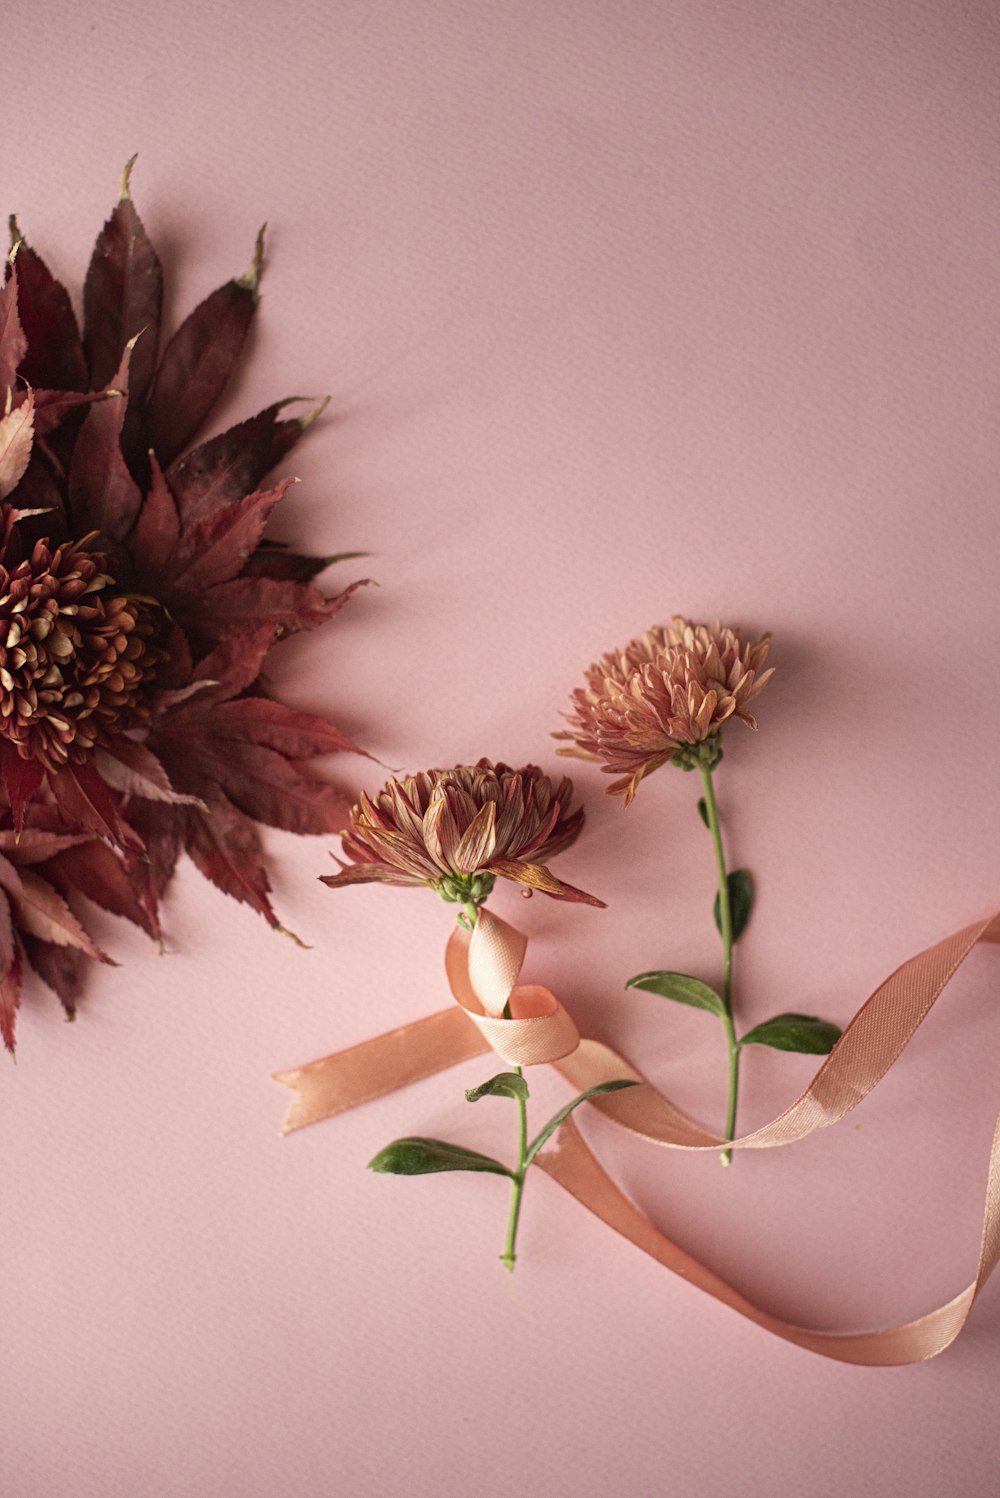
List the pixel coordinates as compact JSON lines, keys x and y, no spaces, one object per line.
{"x":138,"y":595}
{"x":664,"y":694}
{"x":456,"y":830}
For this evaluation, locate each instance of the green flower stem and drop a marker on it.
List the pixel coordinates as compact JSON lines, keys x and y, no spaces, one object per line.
{"x":726,"y":922}
{"x":509,"y":1257}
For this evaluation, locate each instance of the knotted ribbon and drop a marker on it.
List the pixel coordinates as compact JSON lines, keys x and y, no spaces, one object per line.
{"x":482,"y":973}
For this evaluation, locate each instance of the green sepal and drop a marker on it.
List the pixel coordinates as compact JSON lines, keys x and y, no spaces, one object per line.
{"x":795,"y":1032}
{"x":564,"y":1113}
{"x":740,"y":903}
{"x":505,"y":1084}
{"x":681,"y":988}
{"x":424,"y":1157}
{"x":703,"y":813}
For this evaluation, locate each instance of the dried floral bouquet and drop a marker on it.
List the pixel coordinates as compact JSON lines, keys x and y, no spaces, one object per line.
{"x":139,"y":600}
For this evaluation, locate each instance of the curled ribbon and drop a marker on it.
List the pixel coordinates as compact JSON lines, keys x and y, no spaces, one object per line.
{"x":482,"y":973}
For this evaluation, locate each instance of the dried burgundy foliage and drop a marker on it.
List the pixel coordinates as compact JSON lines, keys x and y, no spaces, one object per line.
{"x":139,"y":598}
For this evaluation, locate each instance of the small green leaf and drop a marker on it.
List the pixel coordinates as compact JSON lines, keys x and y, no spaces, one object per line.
{"x":740,"y":902}
{"x":703,"y":812}
{"x":681,"y":988}
{"x":795,"y":1032}
{"x":506,"y":1084}
{"x":423,"y":1157}
{"x":564,"y":1113}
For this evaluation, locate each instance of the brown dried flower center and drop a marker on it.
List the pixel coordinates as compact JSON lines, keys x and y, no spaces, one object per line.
{"x":74,"y":654}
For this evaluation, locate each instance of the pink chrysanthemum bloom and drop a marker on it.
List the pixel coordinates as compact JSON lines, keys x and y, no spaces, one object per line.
{"x":456,"y":830}
{"x":665,"y":698}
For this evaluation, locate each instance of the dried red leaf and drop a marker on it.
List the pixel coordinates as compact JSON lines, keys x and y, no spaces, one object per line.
{"x":122,"y":297}
{"x":97,"y":871}
{"x":54,"y":358}
{"x":259,"y":720}
{"x":61,"y":968}
{"x":224,"y":469}
{"x":21,"y":778}
{"x":214,"y":549}
{"x":226,"y":847}
{"x":198,"y":362}
{"x":103,"y":495}
{"x":286,"y":607}
{"x":10,"y":985}
{"x":41,"y":912}
{"x":269,"y":788}
{"x":13,"y":343}
{"x":86,"y":800}
{"x":157,"y":530}
{"x":16,"y":438}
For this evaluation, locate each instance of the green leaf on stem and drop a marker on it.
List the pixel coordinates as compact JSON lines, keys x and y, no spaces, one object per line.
{"x":564,"y":1113}
{"x":681,"y":988}
{"x":506,"y":1084}
{"x":740,"y":903}
{"x":703,"y":813}
{"x":795,"y":1032}
{"x":424,"y":1157}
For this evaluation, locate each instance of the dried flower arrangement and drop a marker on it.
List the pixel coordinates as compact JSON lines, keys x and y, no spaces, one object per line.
{"x":139,"y":600}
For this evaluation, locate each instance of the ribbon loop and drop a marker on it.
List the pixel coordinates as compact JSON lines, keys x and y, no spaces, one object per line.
{"x":482,"y":973}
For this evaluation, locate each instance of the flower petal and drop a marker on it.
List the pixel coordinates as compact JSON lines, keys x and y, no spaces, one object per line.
{"x":537,"y":876}
{"x":478,"y":842}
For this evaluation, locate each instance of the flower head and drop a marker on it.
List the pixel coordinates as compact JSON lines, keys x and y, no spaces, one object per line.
{"x":456,"y":830}
{"x":662,"y":697}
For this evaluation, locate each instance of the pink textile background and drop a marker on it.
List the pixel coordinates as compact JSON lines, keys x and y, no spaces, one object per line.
{"x":625,"y":308}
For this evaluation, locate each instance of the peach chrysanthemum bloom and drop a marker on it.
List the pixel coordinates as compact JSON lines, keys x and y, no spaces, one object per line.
{"x":662,"y":696}
{"x":456,"y":830}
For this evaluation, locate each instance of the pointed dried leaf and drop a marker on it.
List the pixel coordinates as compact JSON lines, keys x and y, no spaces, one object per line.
{"x":134,"y":770}
{"x":226,"y":671}
{"x":16,"y":437}
{"x":103,"y":495}
{"x":42,"y":912}
{"x":259,"y":720}
{"x":271,"y":789}
{"x":245,"y":602}
{"x":61,"y":968}
{"x":13,"y":343}
{"x":10,"y":990}
{"x":97,"y":871}
{"x":122,"y":297}
{"x":197,"y":364}
{"x":21,"y":778}
{"x":214,"y":550}
{"x":86,"y":799}
{"x":221,"y":471}
{"x":226,"y":847}
{"x":157,"y":531}
{"x":54,"y":359}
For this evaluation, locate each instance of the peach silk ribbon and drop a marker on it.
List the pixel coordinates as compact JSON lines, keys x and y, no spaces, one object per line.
{"x":483,"y":971}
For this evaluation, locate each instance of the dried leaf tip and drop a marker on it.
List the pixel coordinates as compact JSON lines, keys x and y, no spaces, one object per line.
{"x":284,"y":931}
{"x":251,"y":280}
{"x":16,"y":237}
{"x":123,"y":192}
{"x":306,"y":421}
